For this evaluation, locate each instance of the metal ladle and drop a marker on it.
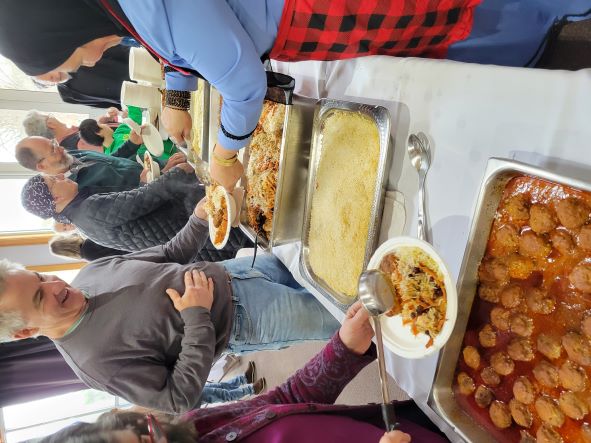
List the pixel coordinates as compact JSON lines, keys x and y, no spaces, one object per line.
{"x":419,"y":152}
{"x":377,"y":296}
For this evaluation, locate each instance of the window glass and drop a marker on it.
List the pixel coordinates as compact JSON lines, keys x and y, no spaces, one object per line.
{"x":42,"y":417}
{"x":12,"y":77}
{"x":16,"y":218}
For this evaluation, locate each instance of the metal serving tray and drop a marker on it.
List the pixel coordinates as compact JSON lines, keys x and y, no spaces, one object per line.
{"x":497,"y":175}
{"x":292,"y":173}
{"x":381,"y":116}
{"x":204,"y":119}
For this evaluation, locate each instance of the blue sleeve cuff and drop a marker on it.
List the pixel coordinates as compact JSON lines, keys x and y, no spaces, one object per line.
{"x":177,"y":81}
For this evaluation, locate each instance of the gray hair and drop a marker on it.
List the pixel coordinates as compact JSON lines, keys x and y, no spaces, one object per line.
{"x":35,"y":123}
{"x":10,"y":321}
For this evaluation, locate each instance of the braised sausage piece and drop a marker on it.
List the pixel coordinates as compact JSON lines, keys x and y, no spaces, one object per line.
{"x":546,"y":434}
{"x":549,"y":411}
{"x":466,"y":383}
{"x":580,"y":277}
{"x":549,"y":345}
{"x":585,"y":324}
{"x":533,"y":246}
{"x":502,"y":363}
{"x":546,"y":374}
{"x":490,"y":376}
{"x":517,"y":208}
{"x":493,"y":271}
{"x":541,"y":219}
{"x":523,"y":390}
{"x":487,"y":336}
{"x":471,"y":357}
{"x":562,"y":242}
{"x":511,"y":296}
{"x":572,"y":376}
{"x":539,"y":302}
{"x":500,"y":318}
{"x":521,"y":349}
{"x":483,"y":396}
{"x":520,"y":413}
{"x":500,"y":414}
{"x":572,"y":405}
{"x":584,"y":238}
{"x":572,"y":212}
{"x":506,"y":241}
{"x":577,"y":347}
{"x":489,"y":292}
{"x":522,"y":325}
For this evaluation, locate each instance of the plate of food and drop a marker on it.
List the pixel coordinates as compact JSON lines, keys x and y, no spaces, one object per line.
{"x":426,"y":302}
{"x":221,"y":210}
{"x":152,"y":166}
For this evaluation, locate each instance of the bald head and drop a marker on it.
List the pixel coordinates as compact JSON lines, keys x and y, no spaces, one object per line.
{"x":43,"y":155}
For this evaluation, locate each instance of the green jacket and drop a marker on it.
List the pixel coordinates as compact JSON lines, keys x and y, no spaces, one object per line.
{"x":121,"y":135}
{"x":104,"y":173}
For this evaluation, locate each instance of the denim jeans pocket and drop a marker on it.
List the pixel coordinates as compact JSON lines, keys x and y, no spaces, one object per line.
{"x":242,"y":328}
{"x":246,"y":274}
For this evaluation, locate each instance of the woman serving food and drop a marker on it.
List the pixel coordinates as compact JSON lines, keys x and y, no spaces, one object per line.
{"x":224,"y":41}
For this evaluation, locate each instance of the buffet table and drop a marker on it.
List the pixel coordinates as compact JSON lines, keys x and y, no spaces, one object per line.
{"x":471,"y":113}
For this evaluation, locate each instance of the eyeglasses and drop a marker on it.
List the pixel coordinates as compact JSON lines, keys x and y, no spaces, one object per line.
{"x":54,"y":146}
{"x":157,"y":434}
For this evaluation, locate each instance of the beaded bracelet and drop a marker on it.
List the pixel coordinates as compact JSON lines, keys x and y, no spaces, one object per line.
{"x":180,"y":100}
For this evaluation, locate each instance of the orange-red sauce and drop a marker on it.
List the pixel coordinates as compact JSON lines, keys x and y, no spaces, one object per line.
{"x":550,"y":273}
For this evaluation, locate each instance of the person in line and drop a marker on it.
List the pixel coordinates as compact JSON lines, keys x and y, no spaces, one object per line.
{"x":129,"y":220}
{"x":88,"y":169}
{"x":224,"y":42}
{"x":73,"y":246}
{"x":49,"y":126}
{"x":300,"y":410}
{"x":147,"y":325}
{"x":110,"y":140}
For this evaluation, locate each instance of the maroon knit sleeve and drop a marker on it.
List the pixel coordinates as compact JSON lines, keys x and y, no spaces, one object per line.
{"x":323,"y":378}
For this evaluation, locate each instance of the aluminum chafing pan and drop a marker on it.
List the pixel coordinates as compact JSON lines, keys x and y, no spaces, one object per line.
{"x":380,"y":115}
{"x":497,"y":175}
{"x":292,"y":173}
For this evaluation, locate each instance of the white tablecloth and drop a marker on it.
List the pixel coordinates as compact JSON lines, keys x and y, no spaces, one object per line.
{"x":471,"y":113}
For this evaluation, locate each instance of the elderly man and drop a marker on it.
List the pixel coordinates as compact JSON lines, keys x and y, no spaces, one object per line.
{"x":88,"y":169}
{"x":49,"y":126}
{"x":120,"y":332}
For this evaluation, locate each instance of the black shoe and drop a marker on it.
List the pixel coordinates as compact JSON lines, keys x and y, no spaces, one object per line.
{"x":251,"y":372}
{"x":260,"y":385}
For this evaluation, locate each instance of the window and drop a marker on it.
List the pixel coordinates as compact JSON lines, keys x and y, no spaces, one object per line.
{"x":13,"y":78}
{"x":42,"y":417}
{"x":16,"y":218}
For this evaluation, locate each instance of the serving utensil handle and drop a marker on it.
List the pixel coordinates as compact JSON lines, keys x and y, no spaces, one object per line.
{"x":388,"y":413}
{"x":421,"y":222}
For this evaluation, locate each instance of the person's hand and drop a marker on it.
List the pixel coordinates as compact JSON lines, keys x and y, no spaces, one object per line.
{"x":198,"y":292}
{"x":135,"y":138}
{"x":110,"y":116}
{"x":174,"y":160}
{"x":395,"y":437}
{"x":186,"y":167}
{"x":227,"y":176}
{"x":356,"y":331}
{"x":200,"y":209}
{"x":177,"y":123}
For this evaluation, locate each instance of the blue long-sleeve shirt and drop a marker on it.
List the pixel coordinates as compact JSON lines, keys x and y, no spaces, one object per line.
{"x":187,"y":34}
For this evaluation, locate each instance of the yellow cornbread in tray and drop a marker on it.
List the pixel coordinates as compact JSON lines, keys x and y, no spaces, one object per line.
{"x":343,"y":198}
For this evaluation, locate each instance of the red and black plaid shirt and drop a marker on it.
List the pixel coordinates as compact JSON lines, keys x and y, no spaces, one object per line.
{"x":341,"y":29}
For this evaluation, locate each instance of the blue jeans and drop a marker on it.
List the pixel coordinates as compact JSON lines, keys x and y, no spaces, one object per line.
{"x":271,"y":310}
{"x":233,"y":389}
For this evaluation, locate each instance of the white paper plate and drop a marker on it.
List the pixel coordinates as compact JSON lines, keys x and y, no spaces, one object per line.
{"x":231,"y":205}
{"x":152,"y":140}
{"x":398,"y":337}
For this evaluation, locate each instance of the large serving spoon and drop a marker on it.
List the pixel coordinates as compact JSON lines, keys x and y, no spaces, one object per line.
{"x":377,"y":296}
{"x":419,"y":152}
